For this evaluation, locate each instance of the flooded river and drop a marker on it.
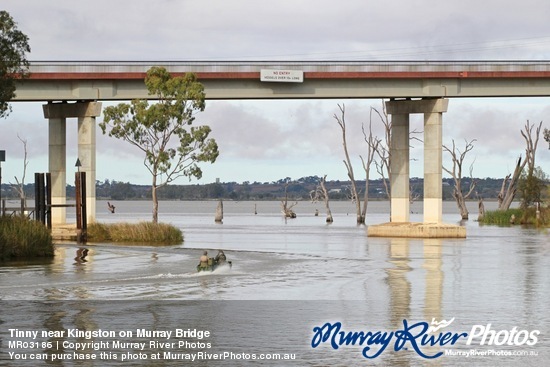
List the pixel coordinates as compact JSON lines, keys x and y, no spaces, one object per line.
{"x":293,"y":283}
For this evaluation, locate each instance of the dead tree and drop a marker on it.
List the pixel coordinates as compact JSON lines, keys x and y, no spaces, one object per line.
{"x":531,"y":191}
{"x":383,"y":162}
{"x":458,"y":157}
{"x":286,"y":209}
{"x":413,"y":194}
{"x":509,"y":186}
{"x":531,"y":145}
{"x":321,"y":192}
{"x":19,"y":187}
{"x":219,"y":212}
{"x":372,"y":144}
{"x":481,"y":208}
{"x":341,"y":120}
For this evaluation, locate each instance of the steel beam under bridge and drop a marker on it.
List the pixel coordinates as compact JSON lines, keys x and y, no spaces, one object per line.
{"x":118,"y":80}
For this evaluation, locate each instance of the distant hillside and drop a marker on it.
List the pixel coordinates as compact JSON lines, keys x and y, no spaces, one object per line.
{"x":299,"y":189}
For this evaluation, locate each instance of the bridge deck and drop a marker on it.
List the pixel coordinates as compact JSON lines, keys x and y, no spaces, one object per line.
{"x":319,"y":69}
{"x":123,"y":80}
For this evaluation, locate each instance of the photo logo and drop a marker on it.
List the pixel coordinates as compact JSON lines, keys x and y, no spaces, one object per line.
{"x":418,"y":337}
{"x":486,"y":336}
{"x":439,"y":325}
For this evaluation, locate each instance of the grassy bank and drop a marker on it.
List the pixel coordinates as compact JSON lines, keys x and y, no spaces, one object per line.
{"x":145,"y":232}
{"x":21,"y":238}
{"x":520,"y":216}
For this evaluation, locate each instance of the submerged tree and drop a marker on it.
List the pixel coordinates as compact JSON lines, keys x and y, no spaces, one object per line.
{"x":531,"y":185}
{"x":321,"y":193}
{"x":382,"y":149}
{"x":164,"y":131}
{"x":510,"y":186}
{"x":13,"y":63}
{"x":373,"y":144}
{"x":510,"y":183}
{"x":286,"y":208}
{"x":459,"y":195}
{"x":341,"y":120}
{"x":19,"y":187}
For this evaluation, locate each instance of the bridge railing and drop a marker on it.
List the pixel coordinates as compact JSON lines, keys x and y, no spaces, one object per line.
{"x":313,"y":66}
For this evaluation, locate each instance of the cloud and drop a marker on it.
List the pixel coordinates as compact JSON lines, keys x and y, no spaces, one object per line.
{"x":495,"y":123}
{"x":26,"y":121}
{"x":285,"y":129}
{"x":216,"y":29}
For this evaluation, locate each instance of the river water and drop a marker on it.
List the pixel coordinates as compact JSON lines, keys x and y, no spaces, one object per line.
{"x":289,"y":278}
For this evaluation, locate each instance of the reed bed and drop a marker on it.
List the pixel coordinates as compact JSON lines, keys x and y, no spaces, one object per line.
{"x":142,"y":232}
{"x":520,"y":216}
{"x":21,"y":238}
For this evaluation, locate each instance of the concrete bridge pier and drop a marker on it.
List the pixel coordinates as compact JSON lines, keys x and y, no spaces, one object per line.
{"x":399,"y":225}
{"x":433,"y":161}
{"x":399,"y":169}
{"x":57,"y":114}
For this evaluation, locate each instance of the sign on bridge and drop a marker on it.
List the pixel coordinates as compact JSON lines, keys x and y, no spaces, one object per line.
{"x":285,"y":76}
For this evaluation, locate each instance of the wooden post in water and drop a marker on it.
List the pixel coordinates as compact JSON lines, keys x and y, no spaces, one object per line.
{"x":40,"y":199}
{"x":36,"y":198}
{"x":42,"y":189}
{"x":78,"y":207}
{"x":83,"y":202}
{"x":81,"y":220}
{"x":49,"y":200}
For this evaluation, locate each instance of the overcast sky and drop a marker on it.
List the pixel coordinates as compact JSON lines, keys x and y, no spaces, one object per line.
{"x":267,"y":140}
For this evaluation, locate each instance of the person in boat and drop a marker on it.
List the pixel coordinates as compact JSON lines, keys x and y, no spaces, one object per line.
{"x":203,"y":261}
{"x":220,"y":258}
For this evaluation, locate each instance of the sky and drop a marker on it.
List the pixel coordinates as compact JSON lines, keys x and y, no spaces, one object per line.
{"x":268,"y":140}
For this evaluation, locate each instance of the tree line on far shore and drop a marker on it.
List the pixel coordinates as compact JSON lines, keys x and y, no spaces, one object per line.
{"x":299,"y":189}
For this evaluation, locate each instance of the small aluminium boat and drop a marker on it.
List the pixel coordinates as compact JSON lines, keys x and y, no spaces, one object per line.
{"x":212,"y":264}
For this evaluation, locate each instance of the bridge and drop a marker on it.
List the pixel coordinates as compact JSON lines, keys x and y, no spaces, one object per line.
{"x":74,"y":89}
{"x":123,"y":80}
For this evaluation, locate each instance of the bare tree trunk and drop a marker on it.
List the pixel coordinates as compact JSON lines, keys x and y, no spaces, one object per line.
{"x":531,"y":193}
{"x":531,"y":145}
{"x":413,"y":195}
{"x":383,"y":150}
{"x":456,"y":172}
{"x":461,"y":204}
{"x":286,"y":209}
{"x":509,"y":186}
{"x":347,"y":162}
{"x":155,"y":199}
{"x":219,"y":212}
{"x":481,"y":209}
{"x":372,"y":143}
{"x":325,"y":197}
{"x":20,"y":186}
{"x":506,"y":196}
